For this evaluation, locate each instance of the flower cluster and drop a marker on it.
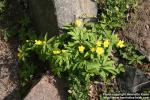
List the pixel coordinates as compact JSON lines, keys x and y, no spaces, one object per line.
{"x":99,"y":49}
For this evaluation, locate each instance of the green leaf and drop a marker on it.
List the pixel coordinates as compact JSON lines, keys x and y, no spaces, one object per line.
{"x":86,"y":54}
{"x":103,"y":75}
{"x":45,"y":37}
{"x":110,"y":69}
{"x":120,"y":68}
{"x":109,"y":63}
{"x":88,"y":43}
{"x":87,"y":77}
{"x":50,"y":40}
{"x":93,"y":67}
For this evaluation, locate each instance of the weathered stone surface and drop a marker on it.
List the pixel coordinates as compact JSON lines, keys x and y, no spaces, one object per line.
{"x":50,"y":15}
{"x":133,"y":80}
{"x":47,"y":89}
{"x":68,"y":10}
{"x":43,"y":15}
{"x":8,"y":72}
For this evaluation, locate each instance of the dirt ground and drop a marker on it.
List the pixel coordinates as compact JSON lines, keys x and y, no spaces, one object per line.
{"x":137,"y":30}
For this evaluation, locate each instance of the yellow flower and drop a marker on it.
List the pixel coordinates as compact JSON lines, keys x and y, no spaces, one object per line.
{"x":120,"y":44}
{"x":106,"y":43}
{"x":98,"y":43}
{"x":38,"y":42}
{"x":99,"y":50}
{"x":81,"y":49}
{"x":78,"y":22}
{"x":56,"y":52}
{"x":93,"y":49}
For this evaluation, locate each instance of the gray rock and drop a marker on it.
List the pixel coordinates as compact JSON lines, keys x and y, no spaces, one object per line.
{"x":68,"y":10}
{"x":51,"y":15}
{"x":133,"y":80}
{"x":9,"y":81}
{"x":48,"y":88}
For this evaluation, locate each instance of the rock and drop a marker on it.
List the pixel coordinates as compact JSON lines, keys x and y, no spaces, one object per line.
{"x":52,"y":15}
{"x":133,"y":80}
{"x":8,"y":71}
{"x":48,"y":88}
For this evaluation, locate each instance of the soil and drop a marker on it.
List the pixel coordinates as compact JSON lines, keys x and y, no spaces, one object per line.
{"x":137,"y":30}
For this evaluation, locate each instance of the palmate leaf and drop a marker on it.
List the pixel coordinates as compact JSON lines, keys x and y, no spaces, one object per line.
{"x":57,"y":70}
{"x":141,"y":57}
{"x":75,"y":34}
{"x":88,"y":43}
{"x":86,"y":54}
{"x":103,"y":75}
{"x":93,"y":67}
{"x":87,"y":77}
{"x":110,"y":69}
{"x":109,"y":63}
{"x":45,"y":37}
{"x":120,"y":68}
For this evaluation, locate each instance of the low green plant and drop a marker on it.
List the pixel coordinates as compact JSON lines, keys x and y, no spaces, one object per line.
{"x":81,"y":53}
{"x":26,"y":73}
{"x":2,"y":5}
{"x":84,"y":51}
{"x":132,"y":55}
{"x":25,"y":30}
{"x":27,"y":67}
{"x":114,"y":13}
{"x":22,"y":30}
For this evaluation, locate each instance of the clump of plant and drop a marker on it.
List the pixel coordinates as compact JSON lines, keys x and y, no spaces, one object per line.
{"x":22,"y":30}
{"x":131,"y":55}
{"x":84,"y":51}
{"x":2,"y":6}
{"x":27,"y":68}
{"x":114,"y":12}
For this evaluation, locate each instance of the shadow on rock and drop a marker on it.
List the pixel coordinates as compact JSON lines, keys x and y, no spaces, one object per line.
{"x":133,"y":80}
{"x":9,"y":80}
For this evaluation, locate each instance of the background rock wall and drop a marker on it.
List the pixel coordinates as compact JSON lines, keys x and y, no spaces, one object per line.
{"x":43,"y":15}
{"x":52,"y":15}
